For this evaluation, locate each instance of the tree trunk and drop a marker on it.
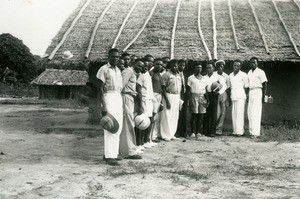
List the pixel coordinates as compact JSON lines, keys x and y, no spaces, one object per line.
{"x":94,"y":113}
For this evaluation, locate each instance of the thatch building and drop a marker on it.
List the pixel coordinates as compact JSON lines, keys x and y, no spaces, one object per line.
{"x":61,"y":84}
{"x":196,"y":30}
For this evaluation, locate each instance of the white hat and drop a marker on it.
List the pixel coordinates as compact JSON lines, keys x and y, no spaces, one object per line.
{"x":67,"y":55}
{"x":220,"y":62}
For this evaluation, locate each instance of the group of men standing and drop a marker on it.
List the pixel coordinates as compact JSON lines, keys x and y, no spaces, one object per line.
{"x":162,"y":91}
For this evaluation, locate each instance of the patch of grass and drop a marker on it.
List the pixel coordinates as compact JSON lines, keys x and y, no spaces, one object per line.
{"x":134,"y":168}
{"x":18,"y":90}
{"x":253,"y":171}
{"x":286,"y":131}
{"x":190,"y":174}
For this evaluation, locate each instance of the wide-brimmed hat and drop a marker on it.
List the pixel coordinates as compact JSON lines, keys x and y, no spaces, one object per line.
{"x":109,"y":123}
{"x":67,"y":55}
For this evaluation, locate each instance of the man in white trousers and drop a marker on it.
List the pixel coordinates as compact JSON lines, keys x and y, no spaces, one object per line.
{"x":171,"y":87}
{"x":110,"y":81}
{"x":257,"y":90}
{"x":238,"y":82}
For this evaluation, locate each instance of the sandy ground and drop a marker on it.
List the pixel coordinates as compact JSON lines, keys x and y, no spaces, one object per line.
{"x":51,"y":153}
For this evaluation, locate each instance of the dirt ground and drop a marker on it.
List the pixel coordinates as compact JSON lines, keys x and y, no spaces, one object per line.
{"x":50,"y":153}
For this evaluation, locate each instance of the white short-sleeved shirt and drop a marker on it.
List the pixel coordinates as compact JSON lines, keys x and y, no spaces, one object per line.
{"x":149,"y":88}
{"x":238,"y":83}
{"x":172,"y":82}
{"x":256,"y":78}
{"x":142,"y":82}
{"x":216,"y":78}
{"x":111,"y":77}
{"x":198,"y":86}
{"x":129,"y":81}
{"x":225,"y":77}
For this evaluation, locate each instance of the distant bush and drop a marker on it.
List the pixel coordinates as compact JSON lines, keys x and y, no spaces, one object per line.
{"x":16,"y":56}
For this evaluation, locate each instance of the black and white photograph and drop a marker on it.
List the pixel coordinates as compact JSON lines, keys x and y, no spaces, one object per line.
{"x":142,"y":99}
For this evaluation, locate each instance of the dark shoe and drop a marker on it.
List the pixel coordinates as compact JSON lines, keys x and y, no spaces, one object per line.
{"x":134,"y":157}
{"x":254,"y":136}
{"x":119,"y":158}
{"x":156,"y":140}
{"x":210,"y":135}
{"x":111,"y":161}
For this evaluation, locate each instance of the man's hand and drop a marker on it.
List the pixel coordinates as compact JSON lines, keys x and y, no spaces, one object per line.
{"x":263,"y":99}
{"x":168,"y":104}
{"x":104,"y":111}
{"x":140,"y":111}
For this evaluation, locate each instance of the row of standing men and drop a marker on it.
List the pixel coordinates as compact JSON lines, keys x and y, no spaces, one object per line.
{"x":159,"y":89}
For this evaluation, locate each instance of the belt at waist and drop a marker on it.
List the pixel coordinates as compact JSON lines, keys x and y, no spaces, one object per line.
{"x":172,"y":92}
{"x":129,"y":93}
{"x":254,"y":88}
{"x":112,"y":91}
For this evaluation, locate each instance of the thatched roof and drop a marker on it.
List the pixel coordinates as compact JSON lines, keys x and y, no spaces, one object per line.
{"x":251,"y":21}
{"x":61,"y":77}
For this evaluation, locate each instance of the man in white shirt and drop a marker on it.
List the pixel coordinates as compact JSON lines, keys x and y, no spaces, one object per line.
{"x":171,"y":88}
{"x":223,"y":98}
{"x":210,"y":119}
{"x":257,"y":90}
{"x":238,"y":82}
{"x":110,"y":82}
{"x":198,"y":100}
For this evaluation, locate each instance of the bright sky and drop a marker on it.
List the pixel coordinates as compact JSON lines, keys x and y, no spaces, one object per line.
{"x":35,"y":22}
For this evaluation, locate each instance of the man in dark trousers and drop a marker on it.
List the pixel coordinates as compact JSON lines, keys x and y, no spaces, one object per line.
{"x":210,"y":119}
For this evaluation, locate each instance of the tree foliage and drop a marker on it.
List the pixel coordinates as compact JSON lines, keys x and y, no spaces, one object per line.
{"x":17,"y":56}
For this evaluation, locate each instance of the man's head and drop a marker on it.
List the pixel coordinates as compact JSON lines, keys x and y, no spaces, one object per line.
{"x":209,"y":68}
{"x":197,"y":68}
{"x":253,"y":62}
{"x":133,"y":58}
{"x":126,"y":57}
{"x":138,"y":65}
{"x":181,"y":65}
{"x":173,"y":66}
{"x":220,"y":65}
{"x":158,"y":64}
{"x":148,"y":59}
{"x":165,"y":61}
{"x":121,"y":63}
{"x":237,"y":65}
{"x":113,"y":57}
